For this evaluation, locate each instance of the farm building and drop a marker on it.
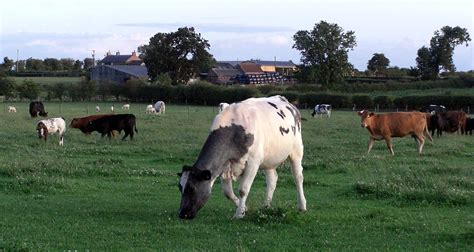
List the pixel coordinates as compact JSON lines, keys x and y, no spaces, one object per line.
{"x":117,"y":59}
{"x":118,"y":73}
{"x":251,"y":72}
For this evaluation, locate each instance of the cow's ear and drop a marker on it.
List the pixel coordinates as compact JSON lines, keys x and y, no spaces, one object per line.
{"x":371,"y":114}
{"x":203,"y":174}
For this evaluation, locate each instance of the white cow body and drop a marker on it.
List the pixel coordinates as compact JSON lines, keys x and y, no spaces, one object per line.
{"x":272,"y":133}
{"x":150,"y":109}
{"x":160,"y":107}
{"x":51,"y":126}
{"x":126,"y":107}
{"x":11,"y":109}
{"x":97,"y":109}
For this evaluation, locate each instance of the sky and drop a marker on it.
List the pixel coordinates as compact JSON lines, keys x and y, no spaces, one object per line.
{"x":236,"y":30}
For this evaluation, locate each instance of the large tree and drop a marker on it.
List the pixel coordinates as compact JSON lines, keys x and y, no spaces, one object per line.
{"x":378,"y":64}
{"x":439,"y":56}
{"x":179,"y":54}
{"x":7,"y":64}
{"x":325,"y":51}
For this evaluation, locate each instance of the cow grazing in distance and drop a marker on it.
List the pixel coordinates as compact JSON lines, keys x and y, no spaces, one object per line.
{"x":433,"y":109}
{"x":37,"y":108}
{"x":469,"y":126}
{"x":150,"y":109}
{"x":83,"y":123}
{"x":112,"y":109}
{"x":106,"y":125}
{"x":398,"y":124}
{"x":51,"y":126}
{"x":160,"y":107}
{"x":126,"y":107}
{"x":11,"y":109}
{"x":321,"y":109}
{"x":222,"y":106}
{"x":257,"y":133}
{"x":97,"y":109}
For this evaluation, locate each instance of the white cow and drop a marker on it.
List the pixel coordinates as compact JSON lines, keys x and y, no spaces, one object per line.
{"x":150,"y":109}
{"x":160,"y":107}
{"x":222,"y":106}
{"x":258,"y":133}
{"x":112,"y":108}
{"x":126,"y":107}
{"x":51,"y":126}
{"x":97,"y":109}
{"x":11,"y":109}
{"x":321,"y":109}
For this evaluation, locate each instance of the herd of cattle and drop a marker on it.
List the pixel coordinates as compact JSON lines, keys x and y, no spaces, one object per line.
{"x":257,"y":134}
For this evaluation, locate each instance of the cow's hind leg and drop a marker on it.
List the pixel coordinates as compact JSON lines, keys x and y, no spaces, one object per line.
{"x":297,"y":170}
{"x":420,"y":142}
{"x":271,"y":177}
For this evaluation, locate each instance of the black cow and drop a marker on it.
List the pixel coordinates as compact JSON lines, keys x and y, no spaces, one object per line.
{"x":469,"y":126}
{"x":105,"y":125}
{"x":37,"y":108}
{"x":450,"y":121}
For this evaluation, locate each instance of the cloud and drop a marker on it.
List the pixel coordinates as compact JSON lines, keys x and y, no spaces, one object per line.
{"x":233,"y":28}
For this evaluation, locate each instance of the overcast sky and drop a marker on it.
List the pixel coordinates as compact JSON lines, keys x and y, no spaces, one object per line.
{"x":236,"y":30}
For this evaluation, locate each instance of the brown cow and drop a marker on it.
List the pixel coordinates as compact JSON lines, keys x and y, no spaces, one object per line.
{"x":82,"y":123}
{"x":398,"y":124}
{"x":451,"y":121}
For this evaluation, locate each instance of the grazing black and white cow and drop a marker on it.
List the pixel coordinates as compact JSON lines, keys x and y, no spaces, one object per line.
{"x":222,"y":106}
{"x":257,"y":133}
{"x":106,"y":125}
{"x":321,"y":109}
{"x":434,"y":109}
{"x":51,"y":126}
{"x":37,"y":108}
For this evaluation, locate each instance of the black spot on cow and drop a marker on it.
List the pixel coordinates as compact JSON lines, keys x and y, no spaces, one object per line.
{"x":283,"y":130}
{"x":281,"y":114}
{"x":273,"y":105}
{"x":293,"y":129}
{"x":296,"y":115}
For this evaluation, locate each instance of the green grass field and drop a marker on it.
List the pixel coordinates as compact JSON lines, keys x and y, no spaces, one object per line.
{"x":99,"y":194}
{"x":48,"y":80}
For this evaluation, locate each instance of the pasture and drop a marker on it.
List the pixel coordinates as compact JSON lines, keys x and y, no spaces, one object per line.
{"x":48,"y":80}
{"x":95,"y":193}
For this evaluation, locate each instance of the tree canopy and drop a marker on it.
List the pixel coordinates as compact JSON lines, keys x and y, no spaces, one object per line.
{"x":179,"y":54}
{"x":439,"y":56}
{"x":378,"y":64}
{"x":325,"y":51}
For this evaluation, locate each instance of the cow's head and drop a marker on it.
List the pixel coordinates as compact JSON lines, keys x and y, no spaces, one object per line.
{"x":74,"y":123}
{"x":44,"y":114}
{"x":195,"y":186}
{"x":42,"y":130}
{"x":365,"y":118}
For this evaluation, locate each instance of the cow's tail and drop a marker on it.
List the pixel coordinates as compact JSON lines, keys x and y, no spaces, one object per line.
{"x":427,"y":133}
{"x":136,"y":131}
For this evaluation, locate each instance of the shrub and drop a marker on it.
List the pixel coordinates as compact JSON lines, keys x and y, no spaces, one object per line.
{"x":362,"y":101}
{"x":384,"y":102}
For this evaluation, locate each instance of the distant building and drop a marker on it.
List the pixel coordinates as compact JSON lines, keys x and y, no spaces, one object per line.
{"x":252,"y":72}
{"x":118,"y":73}
{"x":117,"y":59}
{"x":119,"y":68}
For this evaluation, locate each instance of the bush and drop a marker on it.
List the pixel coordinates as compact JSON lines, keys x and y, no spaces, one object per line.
{"x":384,"y":102}
{"x":362,"y":101}
{"x":336,"y":101}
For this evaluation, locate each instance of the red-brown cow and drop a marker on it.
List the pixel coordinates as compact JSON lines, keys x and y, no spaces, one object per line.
{"x":82,"y":123}
{"x":398,"y":124}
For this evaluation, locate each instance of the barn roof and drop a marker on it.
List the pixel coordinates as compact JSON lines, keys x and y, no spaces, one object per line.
{"x":226,"y":72}
{"x":134,"y":70}
{"x":115,"y":59}
{"x":250,"y":67}
{"x":289,"y":63}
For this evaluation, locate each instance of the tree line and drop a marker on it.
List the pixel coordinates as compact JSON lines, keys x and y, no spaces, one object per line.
{"x":46,"y":65}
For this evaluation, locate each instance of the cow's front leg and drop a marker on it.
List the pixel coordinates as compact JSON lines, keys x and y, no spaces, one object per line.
{"x":370,"y":144}
{"x":245,"y":184}
{"x":388,"y":140}
{"x":226,"y":184}
{"x":271,"y":177}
